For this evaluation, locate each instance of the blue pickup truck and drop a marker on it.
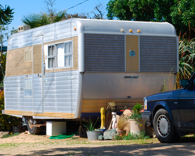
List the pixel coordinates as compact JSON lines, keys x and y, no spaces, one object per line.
{"x":172,"y":114}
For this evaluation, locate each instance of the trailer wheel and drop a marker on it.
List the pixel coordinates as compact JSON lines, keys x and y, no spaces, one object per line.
{"x":32,"y":130}
{"x":163,"y":127}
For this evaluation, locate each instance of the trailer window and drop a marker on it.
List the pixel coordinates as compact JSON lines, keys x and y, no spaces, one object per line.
{"x":68,"y":54}
{"x":60,"y":55}
{"x":51,"y":56}
{"x":28,"y":87}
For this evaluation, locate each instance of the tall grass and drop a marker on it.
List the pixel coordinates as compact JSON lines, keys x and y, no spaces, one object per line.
{"x":186,"y":60}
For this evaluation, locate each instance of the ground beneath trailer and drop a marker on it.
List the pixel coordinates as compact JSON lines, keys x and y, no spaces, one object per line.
{"x":26,"y":144}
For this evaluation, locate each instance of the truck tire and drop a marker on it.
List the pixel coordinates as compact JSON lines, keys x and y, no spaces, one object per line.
{"x":32,"y":129}
{"x":163,"y":127}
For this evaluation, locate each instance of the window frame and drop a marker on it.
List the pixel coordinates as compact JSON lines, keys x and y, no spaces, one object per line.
{"x":55,"y":56}
{"x":51,"y":56}
{"x":31,"y":82}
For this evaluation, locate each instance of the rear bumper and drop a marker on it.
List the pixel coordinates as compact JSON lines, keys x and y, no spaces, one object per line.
{"x":146,"y":116}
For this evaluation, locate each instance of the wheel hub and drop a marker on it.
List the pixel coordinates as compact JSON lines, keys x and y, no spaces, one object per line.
{"x":163,"y":126}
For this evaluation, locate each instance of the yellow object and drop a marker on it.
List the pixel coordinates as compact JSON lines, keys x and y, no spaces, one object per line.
{"x":138,"y":31}
{"x":102,"y":112}
{"x":130,"y":30}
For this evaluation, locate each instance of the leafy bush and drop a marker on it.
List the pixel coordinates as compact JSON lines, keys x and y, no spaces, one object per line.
{"x":6,"y":121}
{"x":136,"y":112}
{"x":137,"y":108}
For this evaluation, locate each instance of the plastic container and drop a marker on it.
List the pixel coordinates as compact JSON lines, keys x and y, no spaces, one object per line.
{"x":136,"y":127}
{"x":93,"y":135}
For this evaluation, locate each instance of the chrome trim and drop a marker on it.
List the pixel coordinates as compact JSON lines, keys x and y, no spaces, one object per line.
{"x":79,"y":97}
{"x":81,"y":54}
{"x":177,"y":41}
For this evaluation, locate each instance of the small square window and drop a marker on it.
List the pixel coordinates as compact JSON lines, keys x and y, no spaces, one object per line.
{"x":28,"y":55}
{"x":28,"y":87}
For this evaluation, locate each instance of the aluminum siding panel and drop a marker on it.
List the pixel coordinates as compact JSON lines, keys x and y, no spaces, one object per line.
{"x":104,"y":52}
{"x":14,"y":92}
{"x":52,"y":32}
{"x":158,"y":54}
{"x":60,"y":93}
{"x":37,"y":97}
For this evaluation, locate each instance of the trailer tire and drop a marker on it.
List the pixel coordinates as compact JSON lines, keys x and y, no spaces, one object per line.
{"x":32,"y":129}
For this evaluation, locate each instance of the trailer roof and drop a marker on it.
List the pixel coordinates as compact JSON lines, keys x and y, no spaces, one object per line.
{"x":115,"y":26}
{"x":64,"y":29}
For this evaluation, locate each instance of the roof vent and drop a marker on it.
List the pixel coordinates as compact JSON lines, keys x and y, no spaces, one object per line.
{"x":23,"y":28}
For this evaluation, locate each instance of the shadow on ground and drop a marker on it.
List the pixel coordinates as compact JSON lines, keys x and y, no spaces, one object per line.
{"x":185,"y":146}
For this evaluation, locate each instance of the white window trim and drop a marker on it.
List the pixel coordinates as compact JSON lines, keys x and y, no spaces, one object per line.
{"x":55,"y":63}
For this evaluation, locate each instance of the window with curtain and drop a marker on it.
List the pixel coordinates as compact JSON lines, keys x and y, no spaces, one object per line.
{"x":60,"y":55}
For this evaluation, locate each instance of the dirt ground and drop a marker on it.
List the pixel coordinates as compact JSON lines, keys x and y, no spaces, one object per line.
{"x":26,"y":144}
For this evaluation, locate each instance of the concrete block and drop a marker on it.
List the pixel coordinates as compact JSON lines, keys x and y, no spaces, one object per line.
{"x":55,"y":128}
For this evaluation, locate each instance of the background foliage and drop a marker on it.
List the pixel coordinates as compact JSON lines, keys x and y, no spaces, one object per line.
{"x":6,"y":15}
{"x":179,"y":13}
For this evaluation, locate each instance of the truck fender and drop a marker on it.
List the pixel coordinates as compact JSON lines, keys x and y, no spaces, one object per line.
{"x":161,"y":104}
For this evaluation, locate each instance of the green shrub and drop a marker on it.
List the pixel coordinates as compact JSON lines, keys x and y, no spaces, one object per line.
{"x":132,"y":136}
{"x":136,"y":115}
{"x":137,"y":108}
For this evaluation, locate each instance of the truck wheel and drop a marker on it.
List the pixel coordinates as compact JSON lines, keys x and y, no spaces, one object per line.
{"x":163,"y":126}
{"x":32,"y":129}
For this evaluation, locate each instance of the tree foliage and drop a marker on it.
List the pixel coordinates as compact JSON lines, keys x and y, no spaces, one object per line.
{"x":37,"y":20}
{"x":180,"y":13}
{"x":44,"y":18}
{"x":183,"y":17}
{"x":140,"y":10}
{"x":6,"y":15}
{"x":3,"y":38}
{"x":3,"y":67}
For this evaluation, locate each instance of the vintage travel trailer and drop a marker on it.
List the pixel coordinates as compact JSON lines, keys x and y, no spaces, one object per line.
{"x":70,"y":69}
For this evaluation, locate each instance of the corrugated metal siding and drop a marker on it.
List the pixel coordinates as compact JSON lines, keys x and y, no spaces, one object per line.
{"x":104,"y":52}
{"x":60,"y":93}
{"x":14,"y":94}
{"x":158,"y":54}
{"x":52,"y":32}
{"x":37,"y":94}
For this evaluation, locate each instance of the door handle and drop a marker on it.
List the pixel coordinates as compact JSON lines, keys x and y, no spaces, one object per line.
{"x":175,"y":102}
{"x":43,"y":69}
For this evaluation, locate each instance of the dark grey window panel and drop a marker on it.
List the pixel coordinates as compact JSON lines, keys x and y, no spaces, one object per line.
{"x":158,"y":54}
{"x":104,"y":53}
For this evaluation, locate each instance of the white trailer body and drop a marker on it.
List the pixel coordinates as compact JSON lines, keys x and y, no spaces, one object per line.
{"x":70,"y":69}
